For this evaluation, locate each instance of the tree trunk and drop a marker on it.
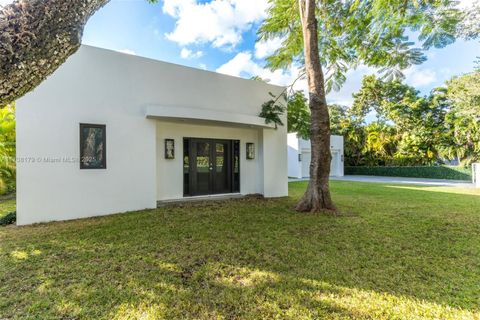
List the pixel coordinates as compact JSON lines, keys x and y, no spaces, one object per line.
{"x":317,"y":197}
{"x":36,"y":37}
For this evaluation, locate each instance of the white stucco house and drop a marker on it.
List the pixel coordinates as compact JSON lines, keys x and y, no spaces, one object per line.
{"x":299,"y":155}
{"x":110,"y":132}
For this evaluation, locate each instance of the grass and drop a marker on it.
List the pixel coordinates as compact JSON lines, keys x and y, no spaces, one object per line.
{"x":397,"y":252}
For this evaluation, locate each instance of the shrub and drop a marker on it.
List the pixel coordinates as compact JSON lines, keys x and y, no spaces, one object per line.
{"x":7,"y":149}
{"x":429,"y":172}
{"x":9,"y":218}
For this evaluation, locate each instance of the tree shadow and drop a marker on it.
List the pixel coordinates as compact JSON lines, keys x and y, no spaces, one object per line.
{"x":250,"y":258}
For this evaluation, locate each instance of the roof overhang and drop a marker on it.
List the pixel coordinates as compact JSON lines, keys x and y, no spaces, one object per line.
{"x":205,"y":116}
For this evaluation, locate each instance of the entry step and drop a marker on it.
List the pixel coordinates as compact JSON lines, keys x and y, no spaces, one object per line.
{"x":210,"y":197}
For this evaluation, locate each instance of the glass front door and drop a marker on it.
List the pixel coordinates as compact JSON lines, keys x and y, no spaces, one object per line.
{"x":210,"y":166}
{"x":203,"y":166}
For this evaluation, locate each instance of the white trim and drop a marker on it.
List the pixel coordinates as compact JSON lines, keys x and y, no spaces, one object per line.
{"x":205,"y":115}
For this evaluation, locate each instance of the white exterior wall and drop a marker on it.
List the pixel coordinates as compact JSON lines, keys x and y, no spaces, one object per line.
{"x":274,"y":163}
{"x":104,"y":87}
{"x":338,"y":165}
{"x":300,"y":169}
{"x":294,"y":166}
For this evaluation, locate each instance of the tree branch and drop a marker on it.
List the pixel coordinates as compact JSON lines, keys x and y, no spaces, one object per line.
{"x":36,"y":37}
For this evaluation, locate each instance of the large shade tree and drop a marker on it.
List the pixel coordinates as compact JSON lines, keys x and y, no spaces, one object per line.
{"x":418,"y":121}
{"x":330,"y":37}
{"x":464,"y":93}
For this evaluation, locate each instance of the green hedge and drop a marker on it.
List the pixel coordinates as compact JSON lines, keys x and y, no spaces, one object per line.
{"x":9,"y":218}
{"x":430,"y":172}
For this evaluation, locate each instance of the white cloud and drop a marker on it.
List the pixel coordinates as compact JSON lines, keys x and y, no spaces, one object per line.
{"x":220,"y":22}
{"x":5,"y":2}
{"x":187,"y":54}
{"x":352,"y":85}
{"x":127,"y":51}
{"x":420,"y":77}
{"x":242,"y":65}
{"x":465,"y":4}
{"x":415,"y":76}
{"x":265,"y":48}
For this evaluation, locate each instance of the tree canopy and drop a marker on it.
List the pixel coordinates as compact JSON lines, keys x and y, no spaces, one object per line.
{"x":391,"y":123}
{"x":298,"y":114}
{"x":36,"y":37}
{"x":369,"y":32}
{"x":410,"y":128}
{"x":462,"y":138}
{"x":464,"y":93}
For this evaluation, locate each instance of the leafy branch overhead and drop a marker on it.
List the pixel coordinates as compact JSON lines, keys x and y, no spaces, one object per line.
{"x":272,"y":110}
{"x":298,"y":115}
{"x":370,"y":32}
{"x":36,"y":37}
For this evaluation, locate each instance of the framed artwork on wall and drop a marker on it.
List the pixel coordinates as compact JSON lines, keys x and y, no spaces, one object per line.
{"x":169,"y":149}
{"x":93,"y":146}
{"x":250,"y":151}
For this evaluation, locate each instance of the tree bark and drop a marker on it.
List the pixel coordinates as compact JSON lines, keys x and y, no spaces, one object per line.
{"x":317,"y":197}
{"x":36,"y":37}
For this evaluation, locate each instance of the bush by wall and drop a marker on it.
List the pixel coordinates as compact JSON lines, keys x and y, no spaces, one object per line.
{"x":429,"y":172}
{"x":9,"y":218}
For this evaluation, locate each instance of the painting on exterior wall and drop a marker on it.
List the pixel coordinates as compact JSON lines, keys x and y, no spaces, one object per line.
{"x":92,"y":146}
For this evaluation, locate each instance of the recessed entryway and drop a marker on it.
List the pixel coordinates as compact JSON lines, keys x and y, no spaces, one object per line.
{"x":210,"y":166}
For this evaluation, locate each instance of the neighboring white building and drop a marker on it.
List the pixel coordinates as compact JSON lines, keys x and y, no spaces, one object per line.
{"x":299,"y":155}
{"x":111,"y":132}
{"x":476,"y":174}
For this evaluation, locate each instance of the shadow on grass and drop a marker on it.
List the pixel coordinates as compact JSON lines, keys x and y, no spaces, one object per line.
{"x":405,"y":254}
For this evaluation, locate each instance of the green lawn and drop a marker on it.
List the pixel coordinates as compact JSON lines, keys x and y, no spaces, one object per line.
{"x":397,"y":252}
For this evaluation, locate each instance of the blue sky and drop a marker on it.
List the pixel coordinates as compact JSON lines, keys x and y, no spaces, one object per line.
{"x":219,"y":35}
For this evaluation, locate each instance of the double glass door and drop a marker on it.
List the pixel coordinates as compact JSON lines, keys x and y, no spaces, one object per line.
{"x":211,"y":166}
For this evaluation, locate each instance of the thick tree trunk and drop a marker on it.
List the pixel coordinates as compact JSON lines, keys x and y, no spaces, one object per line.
{"x":36,"y":37}
{"x":317,"y":197}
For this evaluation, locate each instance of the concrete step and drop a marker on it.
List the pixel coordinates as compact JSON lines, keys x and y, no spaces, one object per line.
{"x":210,"y":197}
